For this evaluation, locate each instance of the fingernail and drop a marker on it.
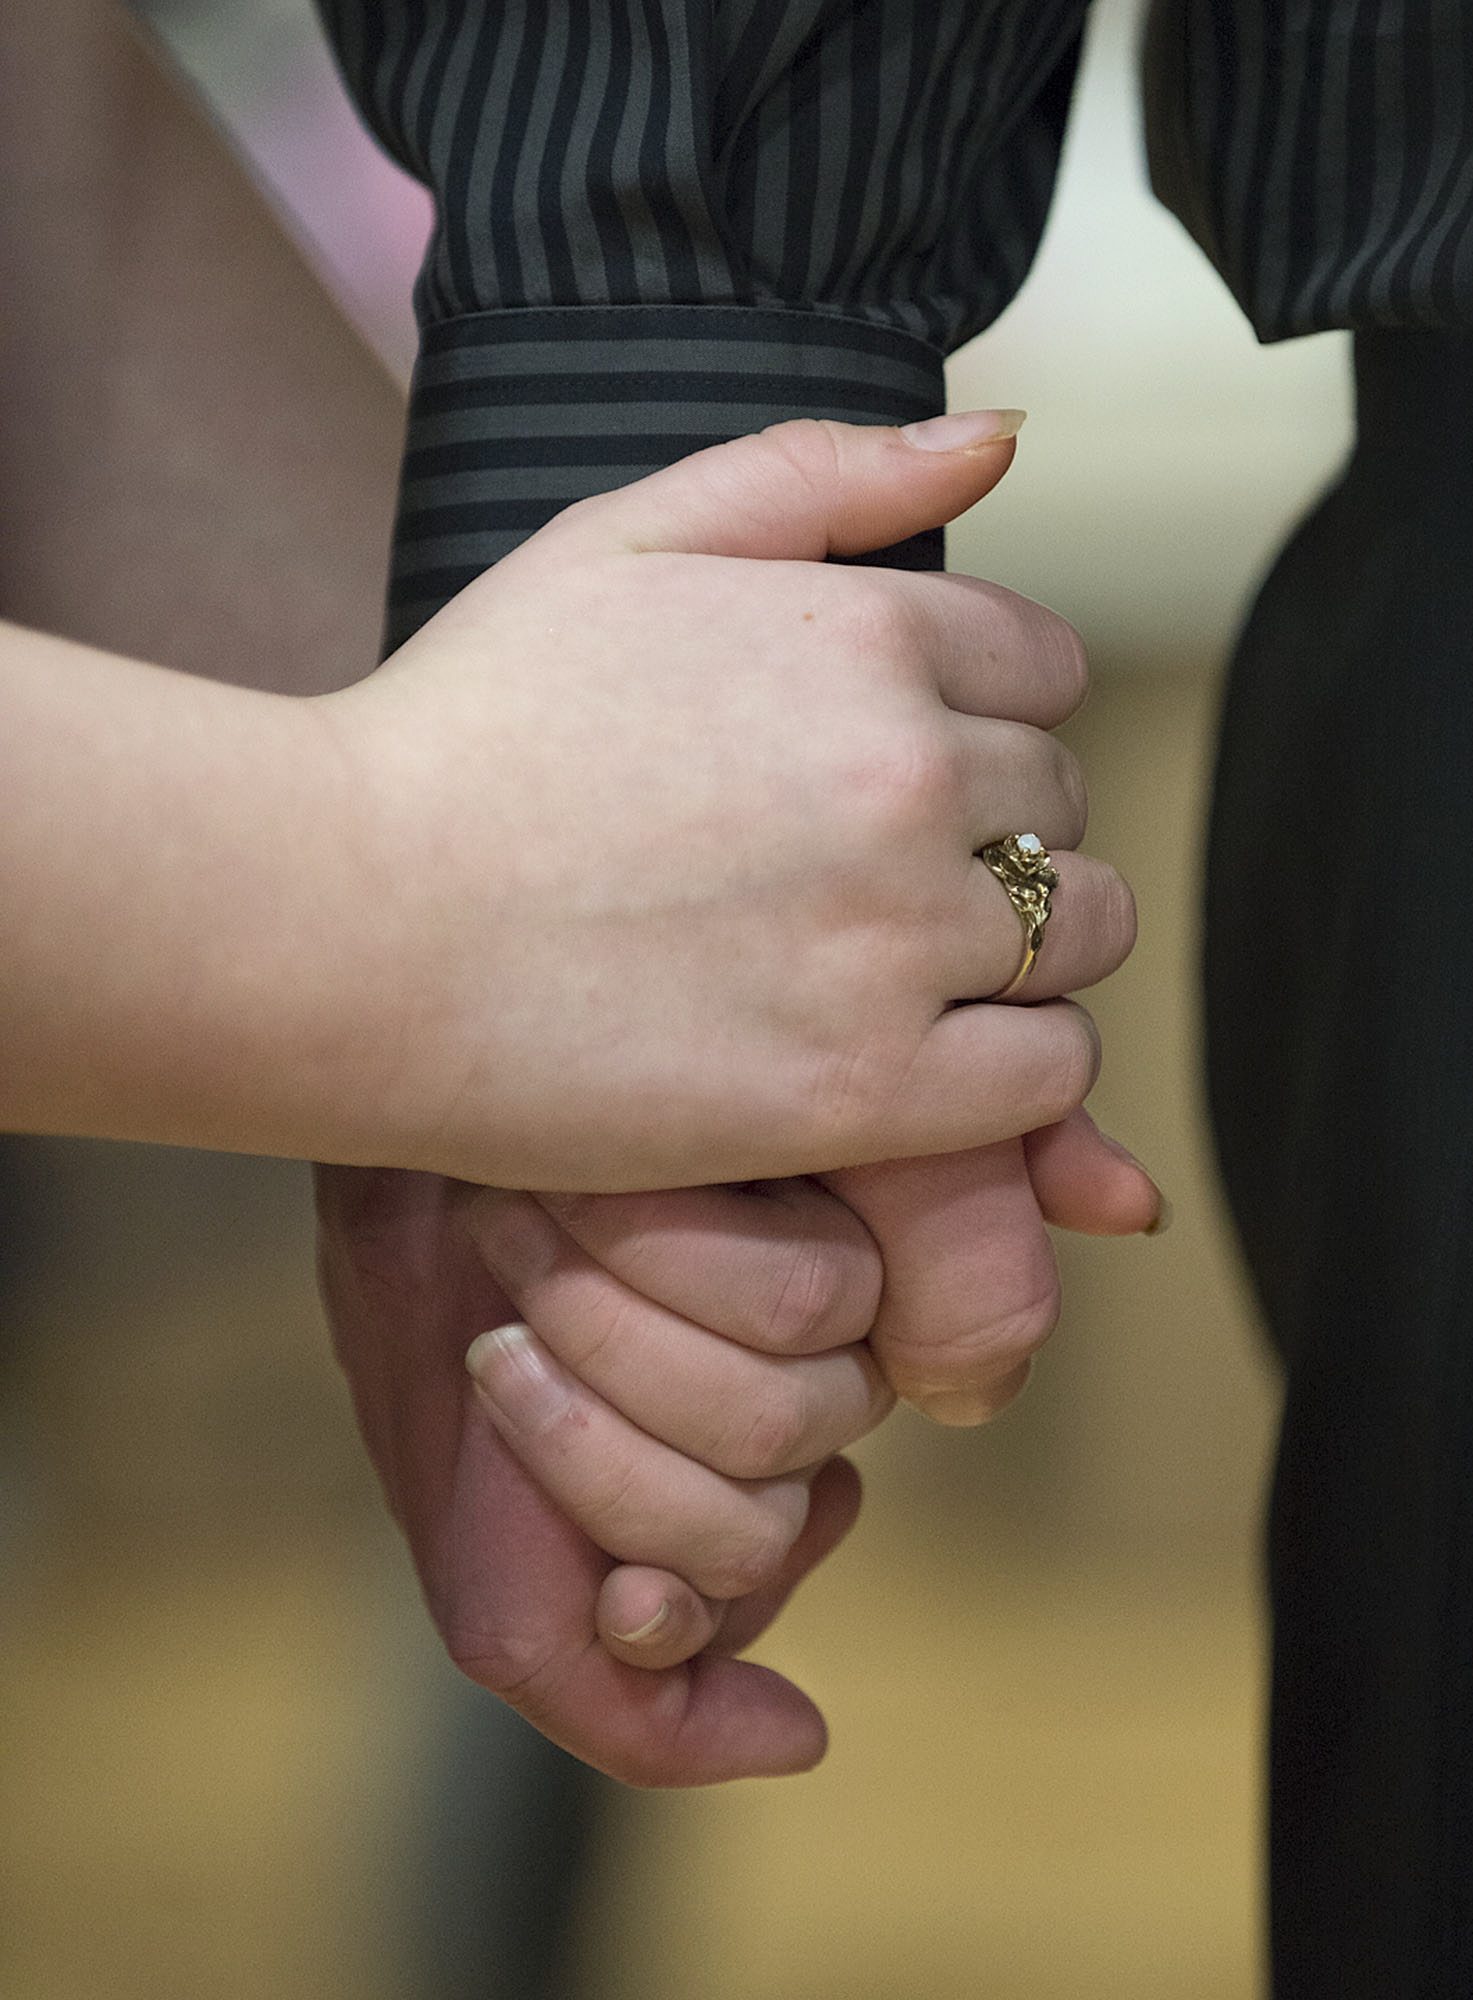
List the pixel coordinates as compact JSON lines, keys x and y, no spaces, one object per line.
{"x":1165,"y":1215}
{"x":957,"y":1407}
{"x":963,"y":1407}
{"x":642,"y":1634}
{"x":1161,"y":1220}
{"x":510,"y":1371}
{"x":964,"y":430}
{"x":518,"y":1240}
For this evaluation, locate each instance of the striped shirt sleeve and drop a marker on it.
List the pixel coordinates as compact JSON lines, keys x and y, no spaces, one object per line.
{"x":661,"y":223}
{"x":1321,"y":152}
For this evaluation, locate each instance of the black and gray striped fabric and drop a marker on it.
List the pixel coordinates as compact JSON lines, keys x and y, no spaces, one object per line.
{"x":661,"y":223}
{"x":516,"y":413}
{"x":890,"y":160}
{"x":1321,"y":152}
{"x":664,"y":222}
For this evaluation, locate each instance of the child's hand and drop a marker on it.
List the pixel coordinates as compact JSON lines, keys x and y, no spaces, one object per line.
{"x":520,"y":1595}
{"x":512,"y":1585}
{"x":643,"y":1297}
{"x":693,"y":1437}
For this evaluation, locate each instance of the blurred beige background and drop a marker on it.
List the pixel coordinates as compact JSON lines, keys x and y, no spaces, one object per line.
{"x":1040,"y":1653}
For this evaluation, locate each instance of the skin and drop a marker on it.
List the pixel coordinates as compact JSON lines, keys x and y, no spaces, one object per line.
{"x":395,"y":986}
{"x":829,"y":935}
{"x":220,"y":422}
{"x":776,"y":1271}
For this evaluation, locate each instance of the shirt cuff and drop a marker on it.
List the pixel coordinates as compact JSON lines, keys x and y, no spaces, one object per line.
{"x":515,"y":414}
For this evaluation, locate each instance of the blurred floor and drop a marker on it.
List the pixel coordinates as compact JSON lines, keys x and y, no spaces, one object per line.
{"x":1039,"y":1788}
{"x":1039,"y":1653}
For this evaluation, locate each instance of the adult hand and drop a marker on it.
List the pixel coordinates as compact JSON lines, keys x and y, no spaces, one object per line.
{"x":675,"y":825}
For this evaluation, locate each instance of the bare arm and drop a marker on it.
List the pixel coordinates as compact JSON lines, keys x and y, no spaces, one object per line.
{"x":197,"y":453}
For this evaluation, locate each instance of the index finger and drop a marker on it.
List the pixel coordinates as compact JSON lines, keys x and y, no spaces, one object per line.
{"x":991,"y":651}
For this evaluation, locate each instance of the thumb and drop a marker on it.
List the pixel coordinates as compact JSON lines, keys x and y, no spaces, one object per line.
{"x":806,"y":489}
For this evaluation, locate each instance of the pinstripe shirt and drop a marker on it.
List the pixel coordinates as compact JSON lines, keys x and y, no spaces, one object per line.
{"x":665,"y":222}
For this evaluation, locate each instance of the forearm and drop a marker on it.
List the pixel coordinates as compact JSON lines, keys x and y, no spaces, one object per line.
{"x":176,"y":859}
{"x":197,"y":453}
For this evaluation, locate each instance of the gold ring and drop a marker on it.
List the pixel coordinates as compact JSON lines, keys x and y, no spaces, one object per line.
{"x":1023,"y":865}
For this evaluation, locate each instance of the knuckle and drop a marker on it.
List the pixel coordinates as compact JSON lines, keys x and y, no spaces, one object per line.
{"x":841,"y":1093}
{"x":1062,"y":1063}
{"x":771,"y":1439}
{"x":851,"y":1086}
{"x":882,"y":620}
{"x":1068,"y":776}
{"x":990,"y":1351}
{"x":904,"y":784}
{"x":812,"y":447}
{"x":611,"y":1495}
{"x":1015,"y":1334}
{"x":750,"y":1557}
{"x":605,"y":1329}
{"x":510,"y":1664}
{"x":1118,"y":918}
{"x":808,"y":1294}
{"x":869,"y":623}
{"x":1069,"y":661}
{"x":1076,"y":1067}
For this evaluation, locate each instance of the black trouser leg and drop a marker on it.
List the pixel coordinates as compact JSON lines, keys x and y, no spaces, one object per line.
{"x":1340,"y":1057}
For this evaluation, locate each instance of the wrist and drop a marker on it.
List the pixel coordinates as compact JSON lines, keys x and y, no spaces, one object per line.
{"x":414,"y":802}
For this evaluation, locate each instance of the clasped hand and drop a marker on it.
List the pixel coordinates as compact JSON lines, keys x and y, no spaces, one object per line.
{"x":647,"y":1462}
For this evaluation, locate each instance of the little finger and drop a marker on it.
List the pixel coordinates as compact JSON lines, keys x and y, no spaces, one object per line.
{"x":981,"y":1074}
{"x":1087,"y":1181}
